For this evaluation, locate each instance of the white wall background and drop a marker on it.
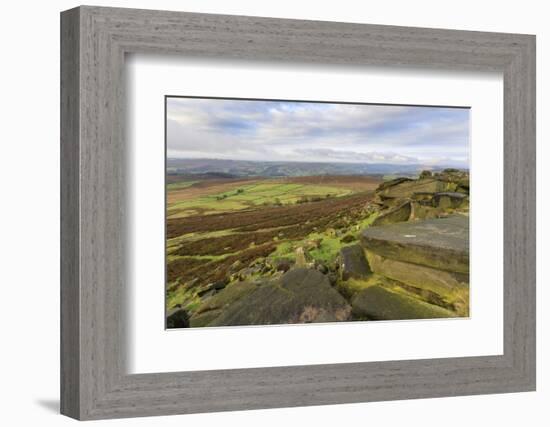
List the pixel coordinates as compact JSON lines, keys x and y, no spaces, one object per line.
{"x":29,"y":212}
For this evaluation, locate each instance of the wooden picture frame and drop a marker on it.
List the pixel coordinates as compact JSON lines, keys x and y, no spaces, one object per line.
{"x":94,"y":382}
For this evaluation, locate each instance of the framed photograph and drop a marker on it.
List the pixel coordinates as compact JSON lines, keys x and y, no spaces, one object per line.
{"x":286,"y":212}
{"x":262,"y":213}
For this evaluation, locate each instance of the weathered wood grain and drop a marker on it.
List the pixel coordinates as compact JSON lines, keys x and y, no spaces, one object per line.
{"x":94,"y":382}
{"x":70,"y":220}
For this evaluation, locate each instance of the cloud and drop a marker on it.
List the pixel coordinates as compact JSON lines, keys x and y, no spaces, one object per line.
{"x":355,"y":156}
{"x":305,"y":131}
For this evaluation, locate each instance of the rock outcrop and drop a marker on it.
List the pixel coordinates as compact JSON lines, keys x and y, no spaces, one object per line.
{"x":441,"y":243}
{"x":379,"y":303}
{"x":213,"y":307}
{"x":353,"y":263}
{"x":177,"y":318}
{"x":433,"y":195}
{"x":430,"y":255}
{"x":300,"y":296}
{"x":420,"y":244}
{"x":303,"y":259}
{"x":399,"y":213}
{"x":450,"y":199}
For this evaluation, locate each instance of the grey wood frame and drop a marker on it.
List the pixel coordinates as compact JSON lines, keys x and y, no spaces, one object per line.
{"x":94,"y":41}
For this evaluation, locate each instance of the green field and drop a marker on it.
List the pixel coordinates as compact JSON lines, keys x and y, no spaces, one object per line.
{"x":180,"y":185}
{"x":250,"y":196}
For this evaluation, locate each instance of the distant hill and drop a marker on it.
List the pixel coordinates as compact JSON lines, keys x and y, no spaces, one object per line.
{"x":246,"y":168}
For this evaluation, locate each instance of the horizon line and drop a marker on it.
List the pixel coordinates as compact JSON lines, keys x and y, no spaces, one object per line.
{"x":321,"y":162}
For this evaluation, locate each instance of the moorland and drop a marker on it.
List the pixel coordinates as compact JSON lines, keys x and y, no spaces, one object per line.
{"x":270,"y":243}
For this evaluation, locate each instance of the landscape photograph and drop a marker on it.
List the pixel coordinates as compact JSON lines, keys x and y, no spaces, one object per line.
{"x":294,"y":212}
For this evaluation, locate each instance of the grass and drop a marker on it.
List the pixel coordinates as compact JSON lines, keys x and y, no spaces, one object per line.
{"x":171,"y":257}
{"x":183,"y":297}
{"x":202,"y":205}
{"x":189,"y":237}
{"x":253,"y":195}
{"x":330,"y":245}
{"x":284,"y":250}
{"x":366,"y":222}
{"x":180,"y":185}
{"x":327,"y":250}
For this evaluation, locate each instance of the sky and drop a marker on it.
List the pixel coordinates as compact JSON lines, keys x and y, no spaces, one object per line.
{"x":316,"y":132}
